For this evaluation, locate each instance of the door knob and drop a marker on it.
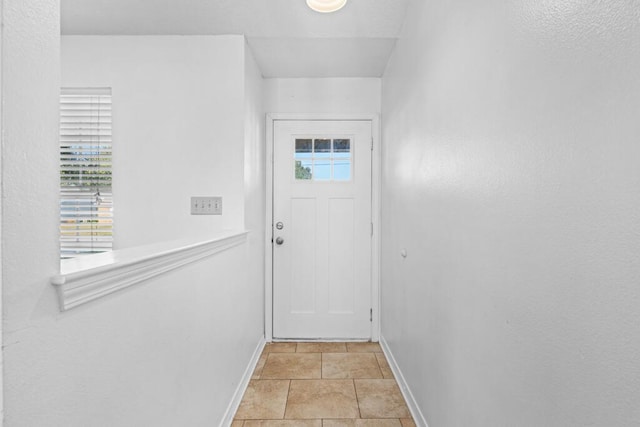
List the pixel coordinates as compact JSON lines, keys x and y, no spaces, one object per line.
{"x":279,"y":240}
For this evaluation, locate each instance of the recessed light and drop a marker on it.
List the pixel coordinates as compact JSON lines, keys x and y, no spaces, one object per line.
{"x":326,"y":6}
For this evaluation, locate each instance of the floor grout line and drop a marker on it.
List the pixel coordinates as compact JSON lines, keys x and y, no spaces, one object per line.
{"x":286,"y":402}
{"x":379,"y":367}
{"x":355,"y":390}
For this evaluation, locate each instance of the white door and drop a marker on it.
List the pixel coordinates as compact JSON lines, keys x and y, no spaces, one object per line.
{"x":322,"y":229}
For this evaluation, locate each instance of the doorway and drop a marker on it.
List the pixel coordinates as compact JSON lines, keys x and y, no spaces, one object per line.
{"x":322,"y":245}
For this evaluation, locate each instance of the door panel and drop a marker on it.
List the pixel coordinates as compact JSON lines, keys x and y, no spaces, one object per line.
{"x":303,"y":239}
{"x":341,"y":256}
{"x":322,"y":253}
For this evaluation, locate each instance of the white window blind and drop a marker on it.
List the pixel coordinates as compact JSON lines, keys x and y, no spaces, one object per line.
{"x":86,"y":199}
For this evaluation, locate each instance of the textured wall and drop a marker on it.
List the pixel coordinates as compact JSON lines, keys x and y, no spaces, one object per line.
{"x":254,"y":178}
{"x":30,"y":150}
{"x":511,"y":177}
{"x":167,"y":352}
{"x":323,"y":95}
{"x":178,"y":114}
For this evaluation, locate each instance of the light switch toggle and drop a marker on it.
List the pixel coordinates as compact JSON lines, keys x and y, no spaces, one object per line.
{"x":206,"y":205}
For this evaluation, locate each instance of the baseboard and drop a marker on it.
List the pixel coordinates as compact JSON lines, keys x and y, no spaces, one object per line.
{"x":404,"y":387}
{"x":242,"y":387}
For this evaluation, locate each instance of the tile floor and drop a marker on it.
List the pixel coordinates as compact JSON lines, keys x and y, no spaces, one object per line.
{"x":323,"y":385}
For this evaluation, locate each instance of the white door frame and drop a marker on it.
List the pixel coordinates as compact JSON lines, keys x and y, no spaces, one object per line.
{"x":1,"y":235}
{"x":376,"y":172}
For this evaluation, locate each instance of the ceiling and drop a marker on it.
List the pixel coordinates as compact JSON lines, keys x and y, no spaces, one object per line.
{"x":287,"y":38}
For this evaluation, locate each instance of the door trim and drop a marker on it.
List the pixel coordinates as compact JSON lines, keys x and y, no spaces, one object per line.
{"x":376,"y":180}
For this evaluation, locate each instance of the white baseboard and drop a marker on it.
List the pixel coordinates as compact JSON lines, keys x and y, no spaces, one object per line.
{"x":404,"y":387}
{"x":242,"y":387}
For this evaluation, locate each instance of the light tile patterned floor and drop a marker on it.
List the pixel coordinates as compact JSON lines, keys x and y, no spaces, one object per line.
{"x":323,"y":385}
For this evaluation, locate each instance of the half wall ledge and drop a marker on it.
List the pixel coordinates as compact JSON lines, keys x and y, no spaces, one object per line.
{"x":85,"y":279}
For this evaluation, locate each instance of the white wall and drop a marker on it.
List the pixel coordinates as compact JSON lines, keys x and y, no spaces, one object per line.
{"x":178,"y":112}
{"x":511,"y":177}
{"x":170,"y":351}
{"x":30,"y":96}
{"x":325,"y":95}
{"x":254,"y":175}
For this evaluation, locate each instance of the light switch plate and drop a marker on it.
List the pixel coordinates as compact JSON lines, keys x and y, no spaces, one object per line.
{"x":206,"y":205}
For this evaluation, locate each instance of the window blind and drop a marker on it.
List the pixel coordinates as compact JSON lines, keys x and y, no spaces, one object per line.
{"x":86,"y":198}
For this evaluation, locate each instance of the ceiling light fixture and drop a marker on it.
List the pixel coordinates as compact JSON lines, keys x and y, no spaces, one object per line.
{"x":326,"y":6}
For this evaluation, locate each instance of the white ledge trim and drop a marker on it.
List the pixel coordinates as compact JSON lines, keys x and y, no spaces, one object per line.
{"x":84,"y":281}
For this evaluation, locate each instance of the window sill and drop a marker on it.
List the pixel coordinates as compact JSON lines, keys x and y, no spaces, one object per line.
{"x":85,"y":279}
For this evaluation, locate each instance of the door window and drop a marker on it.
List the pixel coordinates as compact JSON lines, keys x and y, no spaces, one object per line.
{"x":323,"y":159}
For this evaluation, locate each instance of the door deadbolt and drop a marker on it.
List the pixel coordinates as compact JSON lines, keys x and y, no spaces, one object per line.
{"x":279,"y":226}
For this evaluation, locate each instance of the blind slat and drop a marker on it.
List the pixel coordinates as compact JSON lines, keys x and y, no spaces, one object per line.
{"x":86,"y":217}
